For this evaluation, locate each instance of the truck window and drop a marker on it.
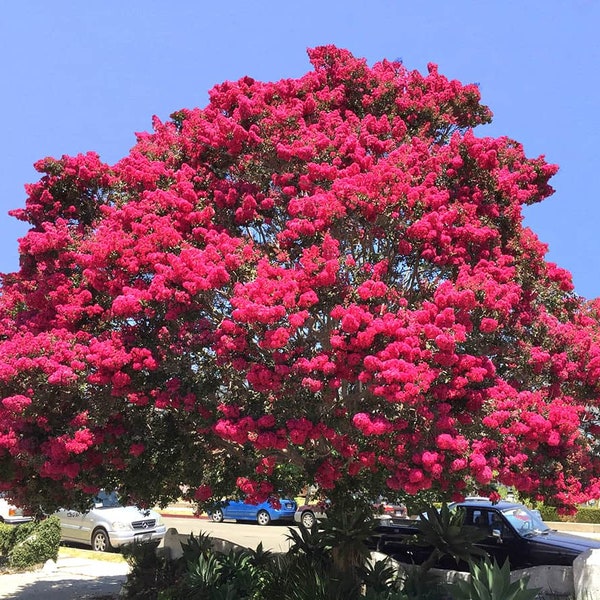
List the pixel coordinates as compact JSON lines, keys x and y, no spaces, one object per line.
{"x":524,"y":520}
{"x":480,"y":518}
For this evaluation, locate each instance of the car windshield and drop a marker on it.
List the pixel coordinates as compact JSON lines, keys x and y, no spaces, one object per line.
{"x":524,"y":520}
{"x":107,"y":500}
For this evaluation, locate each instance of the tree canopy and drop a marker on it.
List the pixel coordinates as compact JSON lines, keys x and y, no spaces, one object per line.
{"x":317,"y":280}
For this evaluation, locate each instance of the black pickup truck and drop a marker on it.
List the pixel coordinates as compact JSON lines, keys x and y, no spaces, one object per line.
{"x":511,"y":531}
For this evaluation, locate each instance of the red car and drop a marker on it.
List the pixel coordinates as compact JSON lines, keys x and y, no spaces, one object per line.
{"x":391,"y":509}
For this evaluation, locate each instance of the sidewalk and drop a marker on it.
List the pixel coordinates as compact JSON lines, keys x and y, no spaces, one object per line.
{"x":77,"y":575}
{"x":588,"y":530}
{"x":181,"y":509}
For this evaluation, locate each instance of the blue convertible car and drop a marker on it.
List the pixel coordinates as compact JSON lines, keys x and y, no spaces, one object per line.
{"x":263,"y":513}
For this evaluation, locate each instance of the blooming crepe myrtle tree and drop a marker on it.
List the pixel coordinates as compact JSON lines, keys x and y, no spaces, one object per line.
{"x":323,"y":279}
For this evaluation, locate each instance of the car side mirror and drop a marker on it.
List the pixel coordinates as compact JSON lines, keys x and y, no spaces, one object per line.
{"x":497,"y":534}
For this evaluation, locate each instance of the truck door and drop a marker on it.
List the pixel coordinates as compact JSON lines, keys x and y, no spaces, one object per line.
{"x":500,"y":541}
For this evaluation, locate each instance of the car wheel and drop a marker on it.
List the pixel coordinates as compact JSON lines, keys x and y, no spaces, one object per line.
{"x":263,"y":517}
{"x":308,"y":519}
{"x":217,"y":515}
{"x":101,"y":541}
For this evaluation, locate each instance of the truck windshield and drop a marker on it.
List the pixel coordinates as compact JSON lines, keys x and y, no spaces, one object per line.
{"x":525,"y":520}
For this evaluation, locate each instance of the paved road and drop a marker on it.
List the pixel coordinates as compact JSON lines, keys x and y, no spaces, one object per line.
{"x":86,"y":575}
{"x":273,"y":536}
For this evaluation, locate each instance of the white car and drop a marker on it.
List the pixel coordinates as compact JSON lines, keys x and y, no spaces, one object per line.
{"x":110,"y":524}
{"x":9,"y":513}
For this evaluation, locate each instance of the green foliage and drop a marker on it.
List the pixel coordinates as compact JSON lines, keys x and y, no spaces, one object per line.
{"x":309,"y":571}
{"x":10,"y":536}
{"x":322,"y":564}
{"x":584,"y":514}
{"x":386,"y":595}
{"x":6,"y":536}
{"x":588,"y":515}
{"x":379,"y":576}
{"x":417,"y":585}
{"x":196,"y":547}
{"x":34,"y":543}
{"x":205,"y":574}
{"x":489,"y":581}
{"x":330,"y":562}
{"x":201,"y":572}
{"x":237,"y":575}
{"x":335,"y":550}
{"x":20,"y":532}
{"x":151,"y":572}
{"x":443,"y":530}
{"x":305,"y":572}
{"x":548,"y":513}
{"x":300,"y":579}
{"x":347,"y":532}
{"x":309,"y":542}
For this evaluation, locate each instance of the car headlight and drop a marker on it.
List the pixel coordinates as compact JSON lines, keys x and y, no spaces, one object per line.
{"x":120,"y":525}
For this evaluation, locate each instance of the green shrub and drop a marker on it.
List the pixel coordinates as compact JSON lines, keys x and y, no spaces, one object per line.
{"x":588,"y":515}
{"x":23,"y":531}
{"x":152,"y":574}
{"x":442,"y":529}
{"x":10,"y":535}
{"x":549,"y":513}
{"x":307,"y":572}
{"x":6,"y":534}
{"x":35,"y":543}
{"x":490,"y":581}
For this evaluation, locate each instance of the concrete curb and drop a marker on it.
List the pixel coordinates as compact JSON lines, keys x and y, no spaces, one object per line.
{"x":70,"y":552}
{"x":183,"y":514}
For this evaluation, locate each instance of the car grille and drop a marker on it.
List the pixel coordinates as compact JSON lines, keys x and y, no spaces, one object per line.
{"x":144,"y":524}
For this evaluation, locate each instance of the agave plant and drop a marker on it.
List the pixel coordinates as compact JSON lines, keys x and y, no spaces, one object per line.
{"x":443,"y":530}
{"x":347,"y":533}
{"x":204,"y":574}
{"x":196,"y":546}
{"x":310,"y":542}
{"x":379,"y":576}
{"x":489,"y":581}
{"x":221,"y":576}
{"x":328,"y":560}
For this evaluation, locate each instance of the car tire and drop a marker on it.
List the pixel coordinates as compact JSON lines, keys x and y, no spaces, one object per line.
{"x":308,"y":519}
{"x":263,"y":517}
{"x":101,"y":541}
{"x":217,"y":515}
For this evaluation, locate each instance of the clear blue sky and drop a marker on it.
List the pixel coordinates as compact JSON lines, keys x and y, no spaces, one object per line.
{"x":81,"y":76}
